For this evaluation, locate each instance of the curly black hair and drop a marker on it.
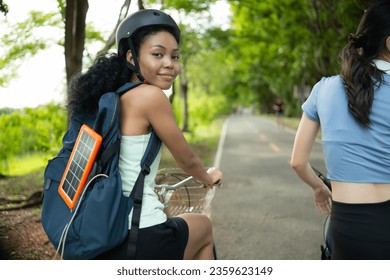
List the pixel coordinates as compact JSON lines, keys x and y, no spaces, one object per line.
{"x":108,"y":73}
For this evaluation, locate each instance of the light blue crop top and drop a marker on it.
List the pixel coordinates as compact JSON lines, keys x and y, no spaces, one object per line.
{"x":352,"y":153}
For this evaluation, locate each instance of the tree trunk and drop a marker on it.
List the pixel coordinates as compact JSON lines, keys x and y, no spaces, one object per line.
{"x":184,"y":94}
{"x":75,"y":15}
{"x":183,"y":90}
{"x":141,"y":5}
{"x":172,"y":96}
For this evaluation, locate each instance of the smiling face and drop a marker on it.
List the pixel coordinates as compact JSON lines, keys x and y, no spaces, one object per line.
{"x":159,"y":59}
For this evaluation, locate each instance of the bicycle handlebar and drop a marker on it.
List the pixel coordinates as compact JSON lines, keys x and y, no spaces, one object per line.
{"x":323,"y":178}
{"x":177,"y":185}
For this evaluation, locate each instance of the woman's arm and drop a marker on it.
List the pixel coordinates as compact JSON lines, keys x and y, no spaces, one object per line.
{"x":160,"y":116}
{"x":303,"y":144}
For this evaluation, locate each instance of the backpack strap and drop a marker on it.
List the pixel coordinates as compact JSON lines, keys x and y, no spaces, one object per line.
{"x":126,"y":87}
{"x":151,"y":152}
{"x":114,"y":148}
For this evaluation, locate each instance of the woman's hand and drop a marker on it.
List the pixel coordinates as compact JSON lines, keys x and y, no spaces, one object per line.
{"x":323,"y":199}
{"x":216,"y":176}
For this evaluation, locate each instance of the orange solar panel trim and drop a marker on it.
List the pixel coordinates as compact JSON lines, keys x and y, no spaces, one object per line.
{"x":82,"y":159}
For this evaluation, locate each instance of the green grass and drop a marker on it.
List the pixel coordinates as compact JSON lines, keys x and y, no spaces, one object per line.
{"x":20,"y":165}
{"x":23,"y":185}
{"x":24,"y":175}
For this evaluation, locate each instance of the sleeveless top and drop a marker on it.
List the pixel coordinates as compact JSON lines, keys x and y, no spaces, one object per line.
{"x":131,"y":152}
{"x":352,"y":153}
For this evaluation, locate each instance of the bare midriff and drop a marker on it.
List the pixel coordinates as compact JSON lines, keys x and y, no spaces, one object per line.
{"x":360,"y":192}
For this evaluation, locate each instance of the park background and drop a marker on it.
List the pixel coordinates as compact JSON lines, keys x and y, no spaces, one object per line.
{"x":234,"y":54}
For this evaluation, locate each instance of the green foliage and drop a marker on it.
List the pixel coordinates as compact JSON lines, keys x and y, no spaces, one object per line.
{"x":26,"y":131}
{"x":61,"y":8}
{"x":26,"y":163}
{"x":279,"y":44}
{"x":207,"y":72}
{"x":11,"y":134}
{"x":3,"y":7}
{"x":25,"y":40}
{"x":185,"y":5}
{"x":204,"y":109}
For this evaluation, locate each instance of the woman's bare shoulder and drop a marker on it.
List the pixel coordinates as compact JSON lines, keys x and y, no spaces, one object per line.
{"x":144,"y":92}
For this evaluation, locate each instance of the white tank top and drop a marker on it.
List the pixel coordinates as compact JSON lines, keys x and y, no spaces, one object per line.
{"x":131,"y":152}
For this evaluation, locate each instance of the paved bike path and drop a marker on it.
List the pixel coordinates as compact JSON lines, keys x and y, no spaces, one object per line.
{"x":263,"y":210}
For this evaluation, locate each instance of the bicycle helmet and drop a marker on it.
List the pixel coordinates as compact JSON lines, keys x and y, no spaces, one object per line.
{"x":143,"y":18}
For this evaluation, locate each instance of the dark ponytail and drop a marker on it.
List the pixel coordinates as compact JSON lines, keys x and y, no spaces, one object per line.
{"x":360,"y":76}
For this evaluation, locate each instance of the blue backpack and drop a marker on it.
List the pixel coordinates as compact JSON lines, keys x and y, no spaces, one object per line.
{"x":99,"y":222}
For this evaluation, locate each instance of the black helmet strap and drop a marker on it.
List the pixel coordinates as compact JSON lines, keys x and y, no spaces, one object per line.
{"x":135,"y":68}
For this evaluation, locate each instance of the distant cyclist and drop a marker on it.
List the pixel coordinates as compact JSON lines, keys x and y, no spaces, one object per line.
{"x":148,"y":52}
{"x":352,"y":110}
{"x":279,"y":109}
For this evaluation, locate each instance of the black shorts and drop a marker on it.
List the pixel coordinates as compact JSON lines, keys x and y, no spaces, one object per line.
{"x":166,"y":241}
{"x":361,"y":231}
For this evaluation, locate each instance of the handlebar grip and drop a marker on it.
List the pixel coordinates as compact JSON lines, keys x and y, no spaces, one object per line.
{"x":323,"y":178}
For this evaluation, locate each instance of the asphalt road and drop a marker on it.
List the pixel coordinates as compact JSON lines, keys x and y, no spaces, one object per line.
{"x":263,"y":211}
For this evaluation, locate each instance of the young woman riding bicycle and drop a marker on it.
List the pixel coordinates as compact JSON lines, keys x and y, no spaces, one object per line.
{"x":148,"y":52}
{"x":352,"y":110}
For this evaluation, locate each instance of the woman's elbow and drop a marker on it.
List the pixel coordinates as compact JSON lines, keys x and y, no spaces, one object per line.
{"x":188,"y":163}
{"x":297,"y":165}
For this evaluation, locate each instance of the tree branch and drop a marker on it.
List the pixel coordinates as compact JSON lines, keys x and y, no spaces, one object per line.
{"x":111,"y":39}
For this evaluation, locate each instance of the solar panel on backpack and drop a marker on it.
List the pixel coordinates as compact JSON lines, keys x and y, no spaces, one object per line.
{"x":79,"y":165}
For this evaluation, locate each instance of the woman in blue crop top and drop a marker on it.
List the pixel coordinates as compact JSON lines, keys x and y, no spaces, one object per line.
{"x":352,"y":110}
{"x":148,"y":52}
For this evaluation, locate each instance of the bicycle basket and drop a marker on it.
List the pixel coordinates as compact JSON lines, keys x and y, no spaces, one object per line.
{"x":191,"y":197}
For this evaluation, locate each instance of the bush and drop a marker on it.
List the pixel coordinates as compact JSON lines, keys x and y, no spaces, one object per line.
{"x":29,"y":130}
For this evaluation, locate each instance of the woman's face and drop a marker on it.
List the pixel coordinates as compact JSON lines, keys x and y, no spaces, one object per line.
{"x":159,"y":59}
